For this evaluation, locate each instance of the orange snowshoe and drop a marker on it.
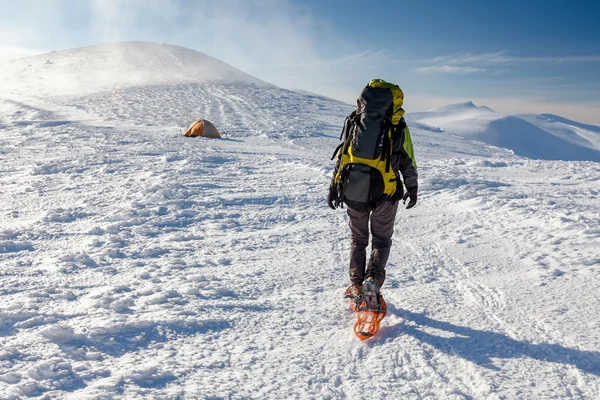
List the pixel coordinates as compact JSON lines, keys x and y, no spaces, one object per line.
{"x":370,"y":308}
{"x":367,"y":321}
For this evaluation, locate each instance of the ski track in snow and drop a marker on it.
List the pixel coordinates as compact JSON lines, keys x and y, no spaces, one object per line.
{"x":137,"y":263}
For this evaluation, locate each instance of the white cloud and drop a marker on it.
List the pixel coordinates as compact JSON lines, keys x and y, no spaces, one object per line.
{"x":447,"y":69}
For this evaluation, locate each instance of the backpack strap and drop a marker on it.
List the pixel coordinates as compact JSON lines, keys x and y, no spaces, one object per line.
{"x":348,"y":123}
{"x":398,"y":128}
{"x":386,"y":146}
{"x":335,"y":152}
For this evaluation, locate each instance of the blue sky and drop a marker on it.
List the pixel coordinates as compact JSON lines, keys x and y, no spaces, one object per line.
{"x":513,"y":56}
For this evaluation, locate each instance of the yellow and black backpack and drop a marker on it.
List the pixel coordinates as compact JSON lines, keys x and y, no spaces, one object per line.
{"x":364,"y":174}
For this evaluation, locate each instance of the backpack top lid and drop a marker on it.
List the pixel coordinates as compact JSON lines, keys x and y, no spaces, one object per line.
{"x":376,"y":100}
{"x":398,"y":95}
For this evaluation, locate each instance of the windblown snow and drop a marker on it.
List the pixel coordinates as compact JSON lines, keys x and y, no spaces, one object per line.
{"x":115,"y":66}
{"x":137,"y":263}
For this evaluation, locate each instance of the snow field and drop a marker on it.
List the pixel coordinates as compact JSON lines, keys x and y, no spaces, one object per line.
{"x":136,"y":263}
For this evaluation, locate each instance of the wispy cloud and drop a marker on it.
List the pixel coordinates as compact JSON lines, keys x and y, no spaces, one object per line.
{"x":501,"y":57}
{"x":478,"y":59}
{"x":448,"y":69}
{"x":495,"y":63}
{"x":274,"y":40}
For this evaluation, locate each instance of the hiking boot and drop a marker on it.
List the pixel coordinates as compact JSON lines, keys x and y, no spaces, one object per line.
{"x":372,"y":278}
{"x":353,"y":292}
{"x":370,"y":293}
{"x":353,"y":296}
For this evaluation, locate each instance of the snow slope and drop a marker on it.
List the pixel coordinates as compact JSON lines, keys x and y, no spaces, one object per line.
{"x":581,"y":134}
{"x":529,"y":140}
{"x":544,"y":136}
{"x":137,"y":263}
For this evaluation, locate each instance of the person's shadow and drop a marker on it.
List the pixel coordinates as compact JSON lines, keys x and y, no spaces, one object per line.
{"x":480,"y":347}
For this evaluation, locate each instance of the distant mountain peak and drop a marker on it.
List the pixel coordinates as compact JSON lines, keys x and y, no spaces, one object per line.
{"x":459,"y":107}
{"x":455,"y":107}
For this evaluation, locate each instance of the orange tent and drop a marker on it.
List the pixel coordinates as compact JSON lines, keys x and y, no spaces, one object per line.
{"x":204,"y":128}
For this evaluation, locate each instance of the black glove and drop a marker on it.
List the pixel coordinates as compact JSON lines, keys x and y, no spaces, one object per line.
{"x":332,"y":197}
{"x":413,"y":199}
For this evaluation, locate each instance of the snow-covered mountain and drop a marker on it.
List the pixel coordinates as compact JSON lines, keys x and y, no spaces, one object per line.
{"x":545,"y":136}
{"x":137,"y":263}
{"x":110,"y":81}
{"x":570,"y":131}
{"x":116,"y":65}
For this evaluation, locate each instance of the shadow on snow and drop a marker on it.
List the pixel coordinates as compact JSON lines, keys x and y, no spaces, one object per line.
{"x":131,"y":338}
{"x":480,"y":347}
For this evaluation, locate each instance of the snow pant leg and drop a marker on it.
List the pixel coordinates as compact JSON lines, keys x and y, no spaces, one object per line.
{"x":382,"y":229}
{"x":359,"y":240}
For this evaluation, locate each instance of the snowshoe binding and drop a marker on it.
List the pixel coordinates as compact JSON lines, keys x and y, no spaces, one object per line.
{"x":370,"y":310}
{"x":370,"y":292}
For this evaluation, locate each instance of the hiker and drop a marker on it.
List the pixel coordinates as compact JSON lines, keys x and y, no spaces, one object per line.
{"x":376,"y":149}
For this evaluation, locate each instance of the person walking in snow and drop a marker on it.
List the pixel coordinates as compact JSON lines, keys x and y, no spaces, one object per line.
{"x":376,"y":150}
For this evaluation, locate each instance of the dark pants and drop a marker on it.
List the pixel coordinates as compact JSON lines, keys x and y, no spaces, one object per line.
{"x":382,"y":227}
